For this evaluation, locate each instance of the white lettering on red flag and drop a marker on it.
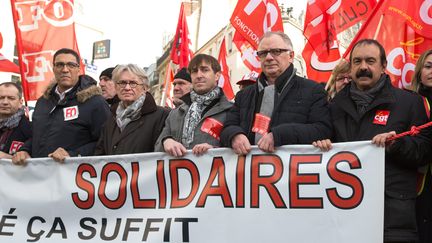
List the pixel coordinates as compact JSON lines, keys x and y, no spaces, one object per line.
{"x":404,"y":28}
{"x":42,"y":27}
{"x":224,"y":79}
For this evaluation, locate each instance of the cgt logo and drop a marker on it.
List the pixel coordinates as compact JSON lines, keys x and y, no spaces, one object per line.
{"x":381,"y":117}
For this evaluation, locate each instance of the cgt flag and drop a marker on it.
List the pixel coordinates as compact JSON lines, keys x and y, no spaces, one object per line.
{"x":252,"y":19}
{"x":404,"y":28}
{"x":41,"y":27}
{"x":324,"y":20}
{"x":181,"y":52}
{"x":224,"y":79}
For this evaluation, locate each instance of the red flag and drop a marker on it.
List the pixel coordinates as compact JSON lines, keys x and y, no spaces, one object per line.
{"x":181,"y":53}
{"x":41,"y":27}
{"x":224,"y":80}
{"x":169,"y":77}
{"x":324,"y":20}
{"x":8,"y":66}
{"x":404,"y":28}
{"x":247,"y":52}
{"x":252,"y":19}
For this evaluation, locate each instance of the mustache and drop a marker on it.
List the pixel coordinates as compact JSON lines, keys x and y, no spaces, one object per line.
{"x":364,"y":73}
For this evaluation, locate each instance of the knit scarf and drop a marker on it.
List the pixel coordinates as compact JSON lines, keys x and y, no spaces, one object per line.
{"x":12,"y":121}
{"x":125,"y":115}
{"x":193,"y":115}
{"x":363,"y":99}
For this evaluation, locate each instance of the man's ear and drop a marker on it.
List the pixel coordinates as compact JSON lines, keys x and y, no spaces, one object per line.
{"x":218,"y":74}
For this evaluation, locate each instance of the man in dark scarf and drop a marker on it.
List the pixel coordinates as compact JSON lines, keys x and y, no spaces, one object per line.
{"x":15,"y":128}
{"x":197,"y":122}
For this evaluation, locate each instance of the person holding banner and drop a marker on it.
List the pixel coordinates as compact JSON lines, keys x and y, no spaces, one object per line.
{"x":15,"y":128}
{"x":422,"y":84}
{"x":197,"y":123}
{"x":136,"y":121}
{"x":68,"y":118}
{"x":281,"y":108}
{"x":370,"y":108}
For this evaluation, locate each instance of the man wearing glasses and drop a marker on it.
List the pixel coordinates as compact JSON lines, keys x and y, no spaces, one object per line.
{"x":68,"y":118}
{"x":281,"y":108}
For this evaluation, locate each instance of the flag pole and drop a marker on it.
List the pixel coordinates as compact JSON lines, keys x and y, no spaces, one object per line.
{"x":363,"y":27}
{"x":20,"y":52}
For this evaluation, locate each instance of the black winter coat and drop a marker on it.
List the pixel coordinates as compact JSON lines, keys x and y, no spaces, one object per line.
{"x":300,"y":114}
{"x":139,"y":136}
{"x":78,"y":133}
{"x":17,"y":137}
{"x":401,"y":159}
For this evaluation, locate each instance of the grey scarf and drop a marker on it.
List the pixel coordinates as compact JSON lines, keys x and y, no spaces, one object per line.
{"x":12,"y":121}
{"x":193,"y":115}
{"x":125,"y":115}
{"x":363,"y":99}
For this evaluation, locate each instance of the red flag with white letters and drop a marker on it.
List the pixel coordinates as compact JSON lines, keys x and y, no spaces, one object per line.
{"x":404,"y":28}
{"x":252,"y":19}
{"x":41,"y":27}
{"x":324,"y":20}
{"x":224,"y":80}
{"x":181,"y":53}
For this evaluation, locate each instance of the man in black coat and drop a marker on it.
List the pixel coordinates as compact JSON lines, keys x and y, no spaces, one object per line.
{"x":68,"y":118}
{"x":281,"y":108}
{"x":370,"y":108}
{"x":15,"y":128}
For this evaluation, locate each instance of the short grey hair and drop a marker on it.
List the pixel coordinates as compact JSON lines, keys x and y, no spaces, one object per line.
{"x":282,"y":35}
{"x":132,"y":68}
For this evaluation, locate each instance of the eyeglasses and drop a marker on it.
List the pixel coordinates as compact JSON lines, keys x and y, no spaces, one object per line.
{"x":274,"y":52}
{"x":132,"y":84}
{"x":342,"y":78}
{"x":69,"y":65}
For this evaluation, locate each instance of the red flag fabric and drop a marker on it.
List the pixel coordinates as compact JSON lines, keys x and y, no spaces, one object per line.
{"x":247,"y":52}
{"x":252,"y":19}
{"x":181,"y":52}
{"x":324,"y":20}
{"x":8,"y":66}
{"x":224,"y":80}
{"x":41,"y":28}
{"x":169,"y":77}
{"x":404,"y":28}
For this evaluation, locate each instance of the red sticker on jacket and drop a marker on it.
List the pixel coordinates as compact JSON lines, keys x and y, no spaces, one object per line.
{"x":381,"y":117}
{"x":15,"y":146}
{"x":212,"y":127}
{"x":261,"y":124}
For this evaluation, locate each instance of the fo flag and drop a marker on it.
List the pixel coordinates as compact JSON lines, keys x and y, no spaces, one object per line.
{"x":404,"y":28}
{"x":324,"y":20}
{"x":181,"y":52}
{"x":252,"y":19}
{"x":41,"y":27}
{"x":224,"y":80}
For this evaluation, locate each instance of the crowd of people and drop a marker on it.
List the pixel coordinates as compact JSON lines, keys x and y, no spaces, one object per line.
{"x":277,"y":107}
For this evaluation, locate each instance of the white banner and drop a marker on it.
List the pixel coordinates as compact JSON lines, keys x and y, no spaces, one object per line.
{"x":297,"y":194}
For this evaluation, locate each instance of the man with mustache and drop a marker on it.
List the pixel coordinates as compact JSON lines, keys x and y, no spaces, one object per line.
{"x":68,"y":118}
{"x":370,"y":108}
{"x":280,"y":108}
